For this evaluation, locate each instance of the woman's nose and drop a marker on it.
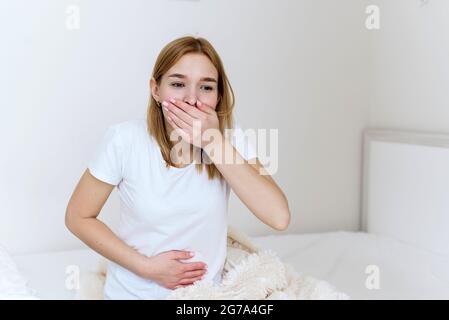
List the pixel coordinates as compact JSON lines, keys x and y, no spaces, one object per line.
{"x":191,"y":100}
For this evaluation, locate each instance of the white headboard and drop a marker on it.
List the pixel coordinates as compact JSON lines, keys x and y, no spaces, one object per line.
{"x":406,"y":187}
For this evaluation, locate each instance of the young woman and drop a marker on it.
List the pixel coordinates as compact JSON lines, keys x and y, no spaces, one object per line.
{"x":172,"y":205}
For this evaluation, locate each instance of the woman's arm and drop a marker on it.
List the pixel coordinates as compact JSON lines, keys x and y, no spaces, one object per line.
{"x":258,"y":192}
{"x":84,"y":206}
{"x":165,"y":268}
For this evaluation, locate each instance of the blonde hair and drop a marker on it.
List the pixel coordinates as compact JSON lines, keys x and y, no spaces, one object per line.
{"x":170,"y":55}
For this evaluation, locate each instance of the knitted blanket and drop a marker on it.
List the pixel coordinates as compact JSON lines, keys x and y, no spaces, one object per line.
{"x":249,"y":273}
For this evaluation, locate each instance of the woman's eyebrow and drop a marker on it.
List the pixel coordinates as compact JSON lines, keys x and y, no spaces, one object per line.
{"x":182,"y":76}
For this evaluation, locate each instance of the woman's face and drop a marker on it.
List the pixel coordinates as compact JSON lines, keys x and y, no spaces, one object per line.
{"x":192,"y":78}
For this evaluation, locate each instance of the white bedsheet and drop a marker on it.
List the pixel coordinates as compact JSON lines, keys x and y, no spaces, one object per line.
{"x":340,"y":258}
{"x":50,"y":274}
{"x":13,"y":285}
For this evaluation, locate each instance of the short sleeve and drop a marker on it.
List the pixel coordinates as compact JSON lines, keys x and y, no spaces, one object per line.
{"x":106,"y":163}
{"x":244,"y":142}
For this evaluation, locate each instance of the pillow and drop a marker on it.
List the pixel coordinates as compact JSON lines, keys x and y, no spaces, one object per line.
{"x":12,"y":284}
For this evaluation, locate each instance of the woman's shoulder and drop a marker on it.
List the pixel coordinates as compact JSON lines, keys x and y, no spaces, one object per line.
{"x":128,"y":133}
{"x":129,"y":129}
{"x":130,"y":125}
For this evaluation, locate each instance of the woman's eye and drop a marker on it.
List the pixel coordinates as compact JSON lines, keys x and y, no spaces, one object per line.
{"x":208,"y":88}
{"x":177,"y":84}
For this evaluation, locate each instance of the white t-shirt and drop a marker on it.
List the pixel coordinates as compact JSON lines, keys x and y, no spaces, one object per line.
{"x":161,"y":208}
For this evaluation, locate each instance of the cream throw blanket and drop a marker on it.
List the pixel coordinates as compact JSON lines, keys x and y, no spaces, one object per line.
{"x":249,"y":274}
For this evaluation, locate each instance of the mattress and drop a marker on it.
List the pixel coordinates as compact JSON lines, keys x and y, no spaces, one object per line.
{"x":347,"y":260}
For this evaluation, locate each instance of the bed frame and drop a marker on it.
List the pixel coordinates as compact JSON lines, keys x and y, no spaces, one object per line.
{"x":405,"y":191}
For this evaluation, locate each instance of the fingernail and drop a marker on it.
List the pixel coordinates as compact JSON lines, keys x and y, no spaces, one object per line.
{"x":165,"y":103}
{"x":172,"y":100}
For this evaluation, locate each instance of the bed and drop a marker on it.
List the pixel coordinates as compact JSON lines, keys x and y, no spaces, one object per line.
{"x":401,"y":251}
{"x":340,"y":258}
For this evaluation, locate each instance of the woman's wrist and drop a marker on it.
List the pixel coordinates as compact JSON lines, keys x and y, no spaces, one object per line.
{"x":144,"y":267}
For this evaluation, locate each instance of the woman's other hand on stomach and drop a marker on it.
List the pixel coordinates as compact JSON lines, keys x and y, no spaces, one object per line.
{"x":166,"y":269}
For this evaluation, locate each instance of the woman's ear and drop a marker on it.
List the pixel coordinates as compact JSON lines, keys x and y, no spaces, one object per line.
{"x":154,"y":89}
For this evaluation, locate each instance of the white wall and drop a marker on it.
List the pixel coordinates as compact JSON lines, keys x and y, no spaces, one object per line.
{"x":314,"y":91}
{"x":410,"y":87}
{"x":298,"y":65}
